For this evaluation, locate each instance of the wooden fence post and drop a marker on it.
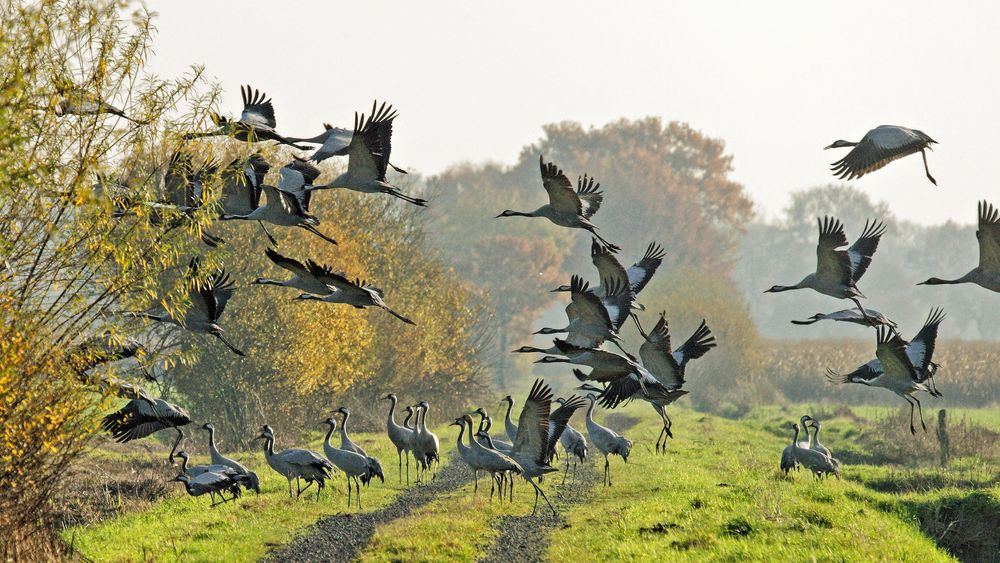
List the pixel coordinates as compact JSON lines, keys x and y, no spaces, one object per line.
{"x":943,"y":441}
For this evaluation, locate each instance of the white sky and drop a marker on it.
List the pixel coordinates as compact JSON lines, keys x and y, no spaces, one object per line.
{"x":777,"y":81}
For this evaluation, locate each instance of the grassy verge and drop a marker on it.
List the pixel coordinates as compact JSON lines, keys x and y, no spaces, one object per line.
{"x":718,"y":494}
{"x":184,"y":528}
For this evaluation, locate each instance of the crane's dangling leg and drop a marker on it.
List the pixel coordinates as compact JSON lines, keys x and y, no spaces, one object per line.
{"x":177,"y":442}
{"x":869,"y":320}
{"x":920,"y":410}
{"x":913,"y":429}
{"x":274,"y":243}
{"x":927,"y":170}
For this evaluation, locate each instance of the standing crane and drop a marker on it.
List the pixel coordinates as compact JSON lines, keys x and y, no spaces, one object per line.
{"x":987,"y":273}
{"x":817,"y":463}
{"x":481,"y":458}
{"x":253,"y":482}
{"x":838,"y":271}
{"x":354,"y":465}
{"x":509,"y":426}
{"x":427,"y":442}
{"x":400,"y":436}
{"x":347,"y":444}
{"x":566,"y":207}
{"x":879,"y":147}
{"x":574,"y":443}
{"x":606,"y":440}
{"x":296,"y":464}
{"x":212,"y":483}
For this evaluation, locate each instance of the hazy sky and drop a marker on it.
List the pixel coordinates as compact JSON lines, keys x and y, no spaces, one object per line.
{"x":777,"y":81}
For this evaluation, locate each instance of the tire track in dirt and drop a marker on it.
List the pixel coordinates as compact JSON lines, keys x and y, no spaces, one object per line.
{"x":342,"y":537}
{"x":526,"y":538}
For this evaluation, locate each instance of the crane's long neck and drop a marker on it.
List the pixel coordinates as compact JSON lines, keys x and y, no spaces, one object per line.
{"x":184,"y":464}
{"x":510,"y":406}
{"x":268,"y":281}
{"x":590,"y":409}
{"x":795,"y":439}
{"x":328,"y":434}
{"x":211,"y":442}
{"x":472,"y":439}
{"x":392,"y":412}
{"x":816,"y":436}
{"x":406,"y":421}
{"x":964,"y":279}
{"x":780,"y":288}
{"x":268,"y":447}
{"x":461,"y":432}
{"x":423,"y":419}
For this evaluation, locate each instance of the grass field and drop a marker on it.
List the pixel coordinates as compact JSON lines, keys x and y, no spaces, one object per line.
{"x":717,"y":494}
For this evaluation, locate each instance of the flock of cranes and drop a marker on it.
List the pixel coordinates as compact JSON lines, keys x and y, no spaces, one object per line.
{"x":596,"y":313}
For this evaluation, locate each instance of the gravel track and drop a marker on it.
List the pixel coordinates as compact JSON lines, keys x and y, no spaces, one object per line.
{"x":342,"y":537}
{"x":525,"y":538}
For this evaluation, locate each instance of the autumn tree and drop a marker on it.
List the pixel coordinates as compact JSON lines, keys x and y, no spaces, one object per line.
{"x":305,"y":357}
{"x":68,"y":262}
{"x":665,"y":183}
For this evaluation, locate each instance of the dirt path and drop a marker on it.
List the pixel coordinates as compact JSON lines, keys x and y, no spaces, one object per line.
{"x":342,"y":537}
{"x":526,"y":538}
